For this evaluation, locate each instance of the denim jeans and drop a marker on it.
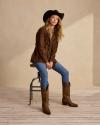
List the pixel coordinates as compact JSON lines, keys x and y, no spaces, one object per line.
{"x":41,"y":67}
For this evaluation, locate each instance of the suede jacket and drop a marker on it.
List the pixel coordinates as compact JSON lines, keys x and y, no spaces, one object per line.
{"x":45,"y":48}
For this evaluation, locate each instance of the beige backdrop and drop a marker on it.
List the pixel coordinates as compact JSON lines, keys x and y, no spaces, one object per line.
{"x":78,"y":50}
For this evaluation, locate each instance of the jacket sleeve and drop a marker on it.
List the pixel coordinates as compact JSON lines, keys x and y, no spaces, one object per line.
{"x":53,"y":51}
{"x":41,"y":45}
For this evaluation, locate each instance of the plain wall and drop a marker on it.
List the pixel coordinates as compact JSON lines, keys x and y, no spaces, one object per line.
{"x":78,"y":51}
{"x":96,"y":54}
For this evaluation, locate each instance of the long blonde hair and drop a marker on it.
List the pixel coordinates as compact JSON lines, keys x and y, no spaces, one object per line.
{"x":57,"y":29}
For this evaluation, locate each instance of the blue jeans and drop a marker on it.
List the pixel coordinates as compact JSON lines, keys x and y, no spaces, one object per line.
{"x":41,"y":67}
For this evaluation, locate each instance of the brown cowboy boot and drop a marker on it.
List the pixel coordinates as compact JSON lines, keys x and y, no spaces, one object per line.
{"x":45,"y":101}
{"x":66,"y":100}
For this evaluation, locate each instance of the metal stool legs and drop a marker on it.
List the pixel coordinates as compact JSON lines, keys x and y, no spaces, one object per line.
{"x":34,"y":87}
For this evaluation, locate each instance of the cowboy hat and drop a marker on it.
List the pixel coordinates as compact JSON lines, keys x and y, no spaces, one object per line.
{"x":49,"y":13}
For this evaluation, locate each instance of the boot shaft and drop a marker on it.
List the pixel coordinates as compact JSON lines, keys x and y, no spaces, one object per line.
{"x":66,"y":89}
{"x":45,"y":100}
{"x":45,"y":95}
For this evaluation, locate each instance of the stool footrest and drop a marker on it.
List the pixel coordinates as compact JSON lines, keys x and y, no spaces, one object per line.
{"x":36,"y":90}
{"x":35,"y":86}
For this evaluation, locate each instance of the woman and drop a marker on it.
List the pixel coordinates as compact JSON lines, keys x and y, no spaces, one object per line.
{"x":43,"y":57}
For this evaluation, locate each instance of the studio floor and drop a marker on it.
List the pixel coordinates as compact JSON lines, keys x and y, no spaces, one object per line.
{"x":14,"y":108}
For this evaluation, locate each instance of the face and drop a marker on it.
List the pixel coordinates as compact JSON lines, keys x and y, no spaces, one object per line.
{"x":53,"y":20}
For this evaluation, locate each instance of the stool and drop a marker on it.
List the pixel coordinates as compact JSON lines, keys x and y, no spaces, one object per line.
{"x":34,"y":87}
